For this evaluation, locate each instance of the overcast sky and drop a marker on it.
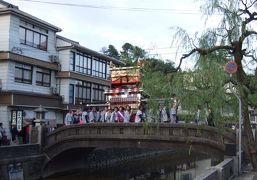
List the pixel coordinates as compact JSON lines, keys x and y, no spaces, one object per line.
{"x":98,"y":23}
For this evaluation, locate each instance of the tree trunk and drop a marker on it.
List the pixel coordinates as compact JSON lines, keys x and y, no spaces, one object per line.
{"x":247,"y":131}
{"x":250,"y":148}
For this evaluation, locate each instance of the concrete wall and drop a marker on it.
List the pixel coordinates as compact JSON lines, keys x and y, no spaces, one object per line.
{"x":14,"y":41}
{"x":210,"y":174}
{"x":223,"y":171}
{"x":5,"y":75}
{"x":64,"y":89}
{"x":65,"y":57}
{"x":4,"y":32}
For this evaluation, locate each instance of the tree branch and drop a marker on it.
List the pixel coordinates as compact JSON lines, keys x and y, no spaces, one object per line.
{"x":252,"y":16}
{"x":247,"y":54}
{"x":203,"y":52}
{"x":249,"y":33}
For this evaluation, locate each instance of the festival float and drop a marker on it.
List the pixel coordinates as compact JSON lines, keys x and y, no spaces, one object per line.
{"x":126,"y":88}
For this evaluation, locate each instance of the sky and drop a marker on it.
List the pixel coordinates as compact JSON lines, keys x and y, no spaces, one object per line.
{"x":98,"y":23}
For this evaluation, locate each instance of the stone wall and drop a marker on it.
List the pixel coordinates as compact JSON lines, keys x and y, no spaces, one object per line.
{"x":24,"y":161}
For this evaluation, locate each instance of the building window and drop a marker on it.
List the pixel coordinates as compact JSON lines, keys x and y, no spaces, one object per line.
{"x":23,"y":73}
{"x":82,"y":63}
{"x":72,"y":61}
{"x":86,"y":64}
{"x":22,"y":35}
{"x":83,"y":92}
{"x":98,"y":93}
{"x":71,"y":94}
{"x":32,"y":38}
{"x":88,"y":59}
{"x":99,"y":68}
{"x":43,"y":77}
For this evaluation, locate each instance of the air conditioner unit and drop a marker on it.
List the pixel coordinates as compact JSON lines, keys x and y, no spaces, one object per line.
{"x":53,"y":90}
{"x":54,"y":58}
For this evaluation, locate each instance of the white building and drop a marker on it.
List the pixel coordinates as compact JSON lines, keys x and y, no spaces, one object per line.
{"x":37,"y":67}
{"x":84,"y":74}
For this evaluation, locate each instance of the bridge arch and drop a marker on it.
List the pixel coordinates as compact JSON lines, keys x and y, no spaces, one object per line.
{"x":115,"y":135}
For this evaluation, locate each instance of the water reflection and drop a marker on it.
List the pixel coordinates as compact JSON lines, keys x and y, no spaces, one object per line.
{"x":162,"y":165}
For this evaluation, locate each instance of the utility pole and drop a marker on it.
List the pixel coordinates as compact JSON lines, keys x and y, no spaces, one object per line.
{"x":239,"y":131}
{"x":231,"y":67}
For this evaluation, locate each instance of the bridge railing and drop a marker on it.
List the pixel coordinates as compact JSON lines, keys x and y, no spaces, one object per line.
{"x":168,"y":132}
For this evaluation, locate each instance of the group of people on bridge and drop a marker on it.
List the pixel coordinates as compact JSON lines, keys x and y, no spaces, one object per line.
{"x":127,"y":115}
{"x":117,"y":114}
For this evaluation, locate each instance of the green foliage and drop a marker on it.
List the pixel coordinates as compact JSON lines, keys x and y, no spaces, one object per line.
{"x":111,"y":51}
{"x":202,"y":88}
{"x":207,"y":86}
{"x":130,"y":54}
{"x":188,"y":118}
{"x":157,"y":65}
{"x":157,"y":84}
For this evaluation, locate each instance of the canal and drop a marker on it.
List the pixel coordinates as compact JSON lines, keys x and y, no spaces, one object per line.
{"x":134,"y":164}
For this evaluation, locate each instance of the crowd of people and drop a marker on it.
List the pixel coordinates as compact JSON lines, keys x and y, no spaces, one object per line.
{"x":127,"y":115}
{"x":117,"y":114}
{"x":168,"y":115}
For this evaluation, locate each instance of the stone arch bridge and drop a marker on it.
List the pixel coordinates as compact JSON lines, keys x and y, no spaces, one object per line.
{"x":68,"y":147}
{"x":203,"y":139}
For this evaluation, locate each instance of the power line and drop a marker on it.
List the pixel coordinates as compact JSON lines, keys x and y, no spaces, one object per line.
{"x":155,"y":48}
{"x":167,"y":10}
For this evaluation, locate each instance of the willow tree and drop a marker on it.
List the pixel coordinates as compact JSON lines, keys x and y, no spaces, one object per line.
{"x":234,"y":38}
{"x":204,"y":88}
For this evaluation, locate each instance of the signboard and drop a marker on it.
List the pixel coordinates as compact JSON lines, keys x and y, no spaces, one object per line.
{"x":17,"y":119}
{"x":231,"y":67}
{"x":14,"y":115}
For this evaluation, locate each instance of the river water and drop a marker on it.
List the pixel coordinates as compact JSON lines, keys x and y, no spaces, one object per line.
{"x":166,"y":165}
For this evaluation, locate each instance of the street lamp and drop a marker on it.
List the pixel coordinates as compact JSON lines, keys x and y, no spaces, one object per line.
{"x":40,"y":113}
